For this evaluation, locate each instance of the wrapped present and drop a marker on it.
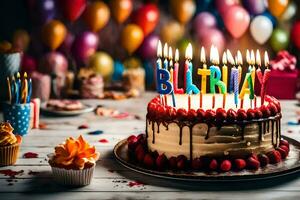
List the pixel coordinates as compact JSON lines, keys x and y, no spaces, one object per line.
{"x":282,"y":83}
{"x":35,"y":113}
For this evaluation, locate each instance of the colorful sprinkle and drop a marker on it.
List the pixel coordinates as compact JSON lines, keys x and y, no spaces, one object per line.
{"x":11,"y":173}
{"x":121,"y":115}
{"x":103,"y":141}
{"x":30,"y":155}
{"x":83,"y":126}
{"x":98,"y":132}
{"x":135,"y":183}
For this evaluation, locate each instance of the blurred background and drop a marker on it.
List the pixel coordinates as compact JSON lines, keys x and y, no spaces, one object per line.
{"x":71,"y":46}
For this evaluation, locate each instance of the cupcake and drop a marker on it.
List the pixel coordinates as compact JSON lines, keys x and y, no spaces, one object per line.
{"x":73,"y":162}
{"x":9,"y":145}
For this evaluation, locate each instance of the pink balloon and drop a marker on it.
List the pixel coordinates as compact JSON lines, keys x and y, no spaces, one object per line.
{"x":236,"y":20}
{"x":223,"y":5}
{"x":210,"y":37}
{"x":149,"y":46}
{"x":84,"y":46}
{"x":54,"y":63}
{"x":203,"y":21}
{"x":28,"y":64}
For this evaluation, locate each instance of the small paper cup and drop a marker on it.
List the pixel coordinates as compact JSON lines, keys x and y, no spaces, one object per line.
{"x":9,"y":154}
{"x":73,"y":177}
{"x":19,"y":116}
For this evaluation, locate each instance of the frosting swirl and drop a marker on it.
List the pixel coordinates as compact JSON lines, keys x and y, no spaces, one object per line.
{"x":6,"y":135}
{"x":75,"y":153}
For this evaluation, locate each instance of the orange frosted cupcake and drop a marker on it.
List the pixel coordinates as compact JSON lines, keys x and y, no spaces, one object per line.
{"x":73,"y":162}
{"x":9,"y":145}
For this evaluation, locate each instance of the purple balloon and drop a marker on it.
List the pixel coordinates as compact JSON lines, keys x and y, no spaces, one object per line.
{"x":210,"y":37}
{"x":84,"y":46}
{"x":203,"y":21}
{"x":148,"y":47}
{"x":54,"y":63}
{"x":254,"y":7}
{"x":42,"y":11}
{"x":65,"y":47}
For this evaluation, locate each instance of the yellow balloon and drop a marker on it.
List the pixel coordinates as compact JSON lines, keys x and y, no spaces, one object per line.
{"x":121,"y":9}
{"x":96,"y":15}
{"x":183,"y":10}
{"x":53,"y":34}
{"x":21,"y":39}
{"x":102,"y":64}
{"x":172,"y":32}
{"x":277,"y":7}
{"x":5,"y":46}
{"x":132,"y":37}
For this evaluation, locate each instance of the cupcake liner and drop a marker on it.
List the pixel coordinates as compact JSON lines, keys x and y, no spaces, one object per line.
{"x":9,"y":154}
{"x":73,"y":177}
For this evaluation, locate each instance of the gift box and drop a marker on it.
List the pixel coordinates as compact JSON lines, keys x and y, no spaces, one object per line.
{"x":281,"y":84}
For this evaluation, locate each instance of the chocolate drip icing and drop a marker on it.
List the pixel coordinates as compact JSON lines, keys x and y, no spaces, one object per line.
{"x":180,"y":134}
{"x":153,"y":133}
{"x":158,"y":125}
{"x":147,"y":127}
{"x":191,"y":142}
{"x":242,"y":131}
{"x":260,"y":130}
{"x":268,"y":126}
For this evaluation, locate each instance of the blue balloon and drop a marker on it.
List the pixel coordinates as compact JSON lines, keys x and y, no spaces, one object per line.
{"x":148,"y":66}
{"x":118,"y":71}
{"x":203,"y":5}
{"x":271,"y":17}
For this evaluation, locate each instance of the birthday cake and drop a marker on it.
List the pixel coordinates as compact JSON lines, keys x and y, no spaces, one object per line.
{"x":211,"y":131}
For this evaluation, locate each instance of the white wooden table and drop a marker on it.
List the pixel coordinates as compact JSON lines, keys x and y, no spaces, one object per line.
{"x":113,"y":181}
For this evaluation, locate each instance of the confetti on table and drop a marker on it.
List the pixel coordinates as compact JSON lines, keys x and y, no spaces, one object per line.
{"x":11,"y":173}
{"x":83,"y":126}
{"x":43,"y":125}
{"x":97,"y":132}
{"x":135,"y":183}
{"x":121,"y":115}
{"x":32,"y":172}
{"x":103,"y":141}
{"x":30,"y":155}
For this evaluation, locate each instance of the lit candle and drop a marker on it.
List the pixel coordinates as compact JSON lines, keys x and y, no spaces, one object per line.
{"x":235,"y":80}
{"x":232,"y":63}
{"x":239,"y":63}
{"x":171,"y":75}
{"x":224,"y":69}
{"x":158,"y":65}
{"x":166,"y":66}
{"x":204,"y":72}
{"x":175,"y":75}
{"x":190,"y":87}
{"x":188,"y":50}
{"x":263,"y":77}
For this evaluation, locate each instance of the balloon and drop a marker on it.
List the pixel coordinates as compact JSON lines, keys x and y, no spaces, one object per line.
{"x":172,"y":32}
{"x":261,"y":29}
{"x":121,"y":9}
{"x":132,"y":63}
{"x":183,"y":10}
{"x":96,"y":15}
{"x":102,"y":64}
{"x":54,"y":63}
{"x":255,"y":7}
{"x":295,"y":32}
{"x":42,"y":11}
{"x":289,"y":12}
{"x":203,"y":5}
{"x":21,"y":39}
{"x":84,"y":46}
{"x":277,"y":7}
{"x":212,"y":36}
{"x":131,"y":37}
{"x":223,"y":5}
{"x":65,"y":47}
{"x":28,"y":64}
{"x":236,"y":20}
{"x":5,"y":46}
{"x":72,"y":9}
{"x":118,"y":71}
{"x":271,"y":17}
{"x":279,"y":39}
{"x":147,"y":17}
{"x":149,"y":46}
{"x":53,"y":34}
{"x":203,"y":21}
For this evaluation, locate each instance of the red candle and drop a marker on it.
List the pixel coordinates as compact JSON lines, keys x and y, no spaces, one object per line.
{"x":224,"y":100}
{"x":175,"y":75}
{"x":213,"y":101}
{"x":201,"y":99}
{"x":189,"y":102}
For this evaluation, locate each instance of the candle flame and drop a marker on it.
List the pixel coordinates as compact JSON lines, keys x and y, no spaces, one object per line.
{"x":170,"y":53}
{"x":202,"y":55}
{"x":252,"y":57}
{"x":166,"y":50}
{"x":25,"y":75}
{"x":189,"y":52}
{"x":176,"y":55}
{"x":230,"y":57}
{"x":266,"y":59}
{"x":224,"y":58}
{"x":214,"y":55}
{"x":239,"y":58}
{"x":159,"y":49}
{"x":258,"y":60}
{"x":248,"y":58}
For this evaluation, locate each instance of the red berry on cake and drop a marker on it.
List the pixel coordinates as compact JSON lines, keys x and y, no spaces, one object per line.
{"x":161,"y":162}
{"x":273,"y":109}
{"x":265,"y":111}
{"x":221,"y":114}
{"x":140,"y":155}
{"x":197,"y":164}
{"x":231,"y":115}
{"x":250,"y":114}
{"x":253,"y":155}
{"x":210,"y":115}
{"x":263,"y":159}
{"x":173,"y":162}
{"x":181,"y":162}
{"x":252,"y":163}
{"x":241,"y":115}
{"x":192,"y":115}
{"x":213,"y":165}
{"x":132,"y":138}
{"x":161,"y":111}
{"x":239,"y":164}
{"x":200,"y":114}
{"x":258,"y":114}
{"x":285,"y":143}
{"x":285,"y":148}
{"x":225,"y":165}
{"x":182,"y":114}
{"x":283,"y":153}
{"x":148,"y":161}
{"x":171,"y":113}
{"x":139,"y":148}
{"x":274,"y":156}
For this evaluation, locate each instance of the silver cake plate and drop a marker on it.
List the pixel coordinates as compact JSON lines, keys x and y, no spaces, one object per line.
{"x":290,"y":165}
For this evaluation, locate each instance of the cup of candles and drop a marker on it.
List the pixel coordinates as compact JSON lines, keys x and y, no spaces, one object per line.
{"x":17,"y":110}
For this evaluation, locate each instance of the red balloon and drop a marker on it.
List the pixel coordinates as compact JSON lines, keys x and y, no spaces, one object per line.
{"x":295,"y":34}
{"x":147,"y":18}
{"x":72,"y":9}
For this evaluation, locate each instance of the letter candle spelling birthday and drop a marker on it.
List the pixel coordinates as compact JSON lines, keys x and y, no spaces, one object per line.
{"x":263,"y":78}
{"x":239,"y":57}
{"x":234,"y":78}
{"x":175,"y":75}
{"x":190,"y":87}
{"x":171,"y":74}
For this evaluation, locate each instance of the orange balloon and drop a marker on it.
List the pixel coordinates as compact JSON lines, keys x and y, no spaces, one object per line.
{"x":121,"y":9}
{"x":53,"y":34}
{"x":183,"y":10}
{"x":277,"y":7}
{"x":96,"y":15}
{"x":172,"y":32}
{"x":132,"y":37}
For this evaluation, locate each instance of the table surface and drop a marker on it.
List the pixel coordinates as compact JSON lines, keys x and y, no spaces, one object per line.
{"x":113,"y":181}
